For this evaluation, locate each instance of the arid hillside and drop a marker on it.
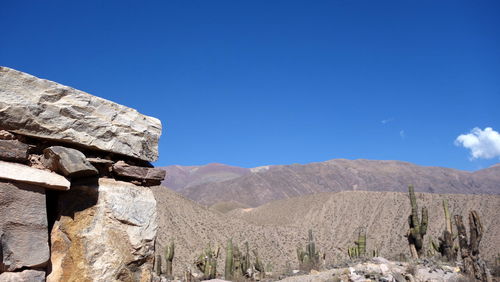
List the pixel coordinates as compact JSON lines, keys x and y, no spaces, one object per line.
{"x":276,"y":228}
{"x":285,"y":181}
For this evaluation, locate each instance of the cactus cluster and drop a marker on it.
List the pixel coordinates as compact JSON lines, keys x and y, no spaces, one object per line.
{"x":207,"y":262}
{"x":238,"y":264}
{"x":309,"y":258}
{"x":169,"y":257}
{"x":360,"y":250}
{"x":418,"y":226}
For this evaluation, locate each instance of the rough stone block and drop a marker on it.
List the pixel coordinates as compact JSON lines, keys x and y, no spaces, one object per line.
{"x":105,"y":232}
{"x":28,"y":275}
{"x":23,"y":226}
{"x":13,"y":150}
{"x":68,"y":162}
{"x":140,"y":173}
{"x":25,"y":174}
{"x":45,"y":109}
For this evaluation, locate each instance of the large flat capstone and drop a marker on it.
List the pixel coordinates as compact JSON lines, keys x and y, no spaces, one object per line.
{"x":104,"y":232}
{"x":45,"y":109}
{"x":24,"y":238}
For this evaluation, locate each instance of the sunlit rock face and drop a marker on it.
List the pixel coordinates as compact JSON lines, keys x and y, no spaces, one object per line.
{"x":45,"y":109}
{"x":105,"y":232}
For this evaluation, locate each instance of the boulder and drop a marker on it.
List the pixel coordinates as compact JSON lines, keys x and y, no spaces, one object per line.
{"x":28,"y":275}
{"x":68,"y":162}
{"x":144,"y":174}
{"x":104,"y":232}
{"x":26,"y":174}
{"x":41,"y":108}
{"x":13,"y":150}
{"x":23,"y":227}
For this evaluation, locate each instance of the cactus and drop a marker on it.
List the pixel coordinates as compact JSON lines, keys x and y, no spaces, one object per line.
{"x":361,"y":243}
{"x":418,"y":227}
{"x":158,"y":265}
{"x":258,"y":265}
{"x":446,"y":240}
{"x":228,"y":270}
{"x":245,"y":261}
{"x":308,"y":259}
{"x":473,"y":265}
{"x":207,"y":262}
{"x":169,"y":257}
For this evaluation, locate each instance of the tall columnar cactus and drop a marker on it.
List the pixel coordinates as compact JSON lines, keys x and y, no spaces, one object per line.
{"x":228,"y":270}
{"x":245,"y":261}
{"x":169,"y":258}
{"x":258,"y":265}
{"x":308,"y":259}
{"x":473,"y":265}
{"x":446,"y":240}
{"x":418,"y":227}
{"x":207,"y":262}
{"x":361,"y":243}
{"x":158,"y":265}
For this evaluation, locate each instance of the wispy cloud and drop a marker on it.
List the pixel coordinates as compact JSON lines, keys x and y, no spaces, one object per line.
{"x":402,"y":134}
{"x":483,"y":144}
{"x":385,"y":121}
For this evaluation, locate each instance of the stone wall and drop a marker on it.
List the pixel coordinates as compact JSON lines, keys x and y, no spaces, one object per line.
{"x":92,"y":155}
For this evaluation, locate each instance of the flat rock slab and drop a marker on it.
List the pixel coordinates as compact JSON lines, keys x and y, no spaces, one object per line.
{"x":28,"y":275}
{"x":104,"y":232}
{"x":25,"y":174}
{"x":23,"y":227}
{"x":13,"y":150}
{"x":45,"y":109}
{"x":68,"y":162}
{"x":137,"y":172}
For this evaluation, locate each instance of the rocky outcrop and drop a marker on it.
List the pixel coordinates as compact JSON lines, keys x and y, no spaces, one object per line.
{"x":105,"y":232}
{"x":23,"y":227}
{"x":44,"y":109}
{"x":26,"y":174}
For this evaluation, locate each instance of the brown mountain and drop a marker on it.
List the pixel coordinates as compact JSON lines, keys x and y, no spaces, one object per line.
{"x":254,"y":187}
{"x":275,"y":229}
{"x":181,"y":177}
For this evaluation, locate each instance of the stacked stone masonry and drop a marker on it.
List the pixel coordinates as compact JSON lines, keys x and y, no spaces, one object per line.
{"x":89,"y":158}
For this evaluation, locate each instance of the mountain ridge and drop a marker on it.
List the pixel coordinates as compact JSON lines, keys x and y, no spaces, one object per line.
{"x":257,"y":186}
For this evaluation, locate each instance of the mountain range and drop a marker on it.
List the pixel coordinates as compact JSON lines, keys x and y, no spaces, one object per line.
{"x":231,"y":187}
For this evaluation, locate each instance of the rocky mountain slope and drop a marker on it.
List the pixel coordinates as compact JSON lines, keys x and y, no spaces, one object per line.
{"x":276,"y":228}
{"x":255,"y":187}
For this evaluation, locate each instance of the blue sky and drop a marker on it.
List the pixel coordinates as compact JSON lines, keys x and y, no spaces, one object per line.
{"x":252,"y":83}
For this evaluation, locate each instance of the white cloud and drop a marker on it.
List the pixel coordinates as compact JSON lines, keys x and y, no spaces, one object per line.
{"x":384,"y":121}
{"x":402,"y":134}
{"x":484,"y":144}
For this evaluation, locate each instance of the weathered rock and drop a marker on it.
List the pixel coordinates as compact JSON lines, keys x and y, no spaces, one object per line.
{"x":45,"y":109}
{"x":23,"y":227}
{"x":5,"y":135}
{"x":26,"y":174}
{"x":68,"y":162}
{"x":105,"y":232}
{"x":13,"y":150}
{"x":28,"y":275}
{"x":140,"y":173}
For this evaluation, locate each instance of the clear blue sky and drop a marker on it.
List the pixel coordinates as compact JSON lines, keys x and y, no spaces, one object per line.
{"x":251,"y":83}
